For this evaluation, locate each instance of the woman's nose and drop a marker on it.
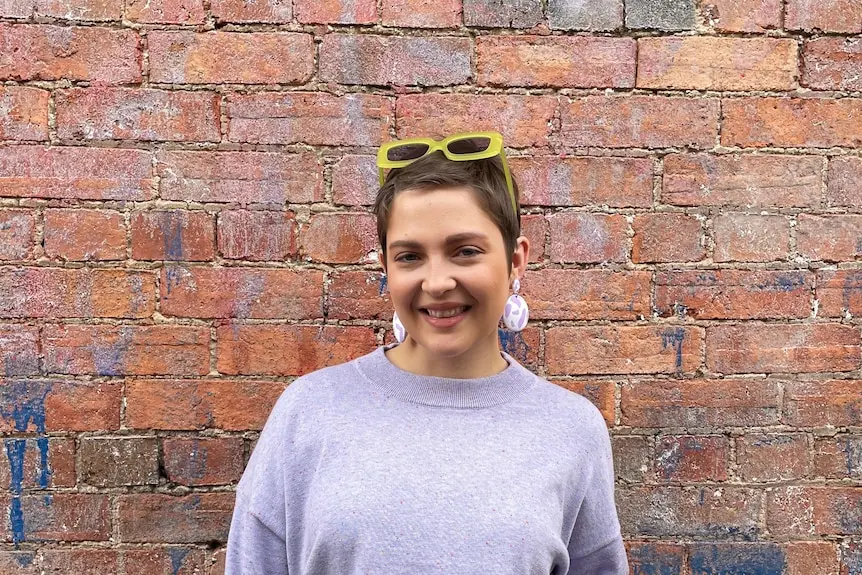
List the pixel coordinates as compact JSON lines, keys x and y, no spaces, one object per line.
{"x":438,"y":279}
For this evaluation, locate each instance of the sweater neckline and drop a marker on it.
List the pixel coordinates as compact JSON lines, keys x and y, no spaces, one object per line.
{"x":445,"y":391}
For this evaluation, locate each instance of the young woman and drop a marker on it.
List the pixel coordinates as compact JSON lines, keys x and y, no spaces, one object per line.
{"x":440,"y":454}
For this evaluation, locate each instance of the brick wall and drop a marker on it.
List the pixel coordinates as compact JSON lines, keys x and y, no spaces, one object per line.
{"x":184,"y":229}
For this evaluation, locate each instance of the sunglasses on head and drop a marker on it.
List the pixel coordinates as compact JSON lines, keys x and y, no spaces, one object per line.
{"x":458,"y":148}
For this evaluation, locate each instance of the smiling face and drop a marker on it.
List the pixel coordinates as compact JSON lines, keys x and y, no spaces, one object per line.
{"x":448,"y":275}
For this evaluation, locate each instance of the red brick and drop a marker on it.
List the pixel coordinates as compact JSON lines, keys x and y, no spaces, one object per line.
{"x":16,"y":9}
{"x":137,"y":114}
{"x":103,"y":55}
{"x":274,"y":11}
{"x":240,"y":177}
{"x":502,"y":13}
{"x":534,"y":227}
{"x":742,"y":180}
{"x":177,"y":235}
{"x":741,"y":15}
{"x":648,"y":556}
{"x":762,"y":458}
{"x":844,"y":187}
{"x":24,"y":115}
{"x":60,"y":469}
{"x":851,"y":558}
{"x":700,"y":403}
{"x":82,"y":235}
{"x":601,"y":393}
{"x":689,"y":458}
{"x":66,"y":517}
{"x":422,"y":13}
{"x":165,"y":12}
{"x":355,"y":180}
{"x":119,"y":461}
{"x":584,"y":181}
{"x":197,"y":404}
{"x":75,"y":173}
{"x":622,"y":349}
{"x":203,"y":461}
{"x":314,"y":118}
{"x":60,"y":293}
{"x":16,"y":234}
{"x":797,"y":511}
{"x":241,"y":292}
{"x":832,"y":64}
{"x":791,"y":122}
{"x":256,"y":235}
{"x":179,"y":57}
{"x":639,"y":121}
{"x":395,"y":60}
{"x":358,"y":294}
{"x":335,"y":11}
{"x":82,"y":561}
{"x":68,"y":405}
{"x":782,"y":348}
{"x":19,"y":350}
{"x":838,"y":457}
{"x":288,"y":349}
{"x":556,"y":61}
{"x":523,"y":120}
{"x":158,"y":560}
{"x":340,"y":238}
{"x":667,"y":237}
{"x":584,"y":237}
{"x":154,"y":518}
{"x":839,"y":291}
{"x":811,"y":558}
{"x":750,"y":238}
{"x":522,"y":345}
{"x":126,"y":350}
{"x":835,"y":403}
{"x":587,"y":294}
{"x":90,"y":10}
{"x":832,"y":238}
{"x":701,"y":63}
{"x":220,"y":559}
{"x":632,"y":456}
{"x":826,"y":15}
{"x":734,"y":294}
{"x":736,"y":557}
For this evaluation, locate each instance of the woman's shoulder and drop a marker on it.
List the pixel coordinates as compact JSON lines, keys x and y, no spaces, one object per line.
{"x":567,"y":405}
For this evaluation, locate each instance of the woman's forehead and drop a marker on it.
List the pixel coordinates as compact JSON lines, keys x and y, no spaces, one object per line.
{"x":435,"y":215}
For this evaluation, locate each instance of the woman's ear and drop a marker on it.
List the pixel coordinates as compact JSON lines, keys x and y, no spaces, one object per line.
{"x":520,"y":257}
{"x":381,"y":257}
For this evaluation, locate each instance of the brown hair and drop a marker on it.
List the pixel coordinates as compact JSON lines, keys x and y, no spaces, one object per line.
{"x":484,"y":177}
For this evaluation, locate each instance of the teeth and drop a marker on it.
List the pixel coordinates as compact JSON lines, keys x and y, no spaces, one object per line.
{"x":447,"y":313}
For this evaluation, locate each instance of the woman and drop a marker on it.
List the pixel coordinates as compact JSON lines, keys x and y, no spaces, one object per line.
{"x":440,"y":454}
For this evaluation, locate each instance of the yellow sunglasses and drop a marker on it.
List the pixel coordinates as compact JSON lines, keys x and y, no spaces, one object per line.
{"x":458,"y":148}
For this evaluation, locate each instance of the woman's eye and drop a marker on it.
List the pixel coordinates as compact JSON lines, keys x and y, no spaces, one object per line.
{"x":469,"y":252}
{"x":406,"y":258}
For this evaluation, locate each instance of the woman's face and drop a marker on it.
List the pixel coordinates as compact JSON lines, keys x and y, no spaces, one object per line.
{"x":447,"y":271}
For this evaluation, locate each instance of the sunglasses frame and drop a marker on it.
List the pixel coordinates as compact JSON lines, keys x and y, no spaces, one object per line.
{"x":495,"y":148}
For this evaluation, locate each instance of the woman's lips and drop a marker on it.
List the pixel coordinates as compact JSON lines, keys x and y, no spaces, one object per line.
{"x":445,"y":322}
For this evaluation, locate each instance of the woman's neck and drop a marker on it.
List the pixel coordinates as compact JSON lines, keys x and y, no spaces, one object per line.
{"x":481,"y":361}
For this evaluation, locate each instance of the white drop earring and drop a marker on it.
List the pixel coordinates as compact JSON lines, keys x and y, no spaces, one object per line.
{"x":516,"y":314}
{"x":398,"y":328}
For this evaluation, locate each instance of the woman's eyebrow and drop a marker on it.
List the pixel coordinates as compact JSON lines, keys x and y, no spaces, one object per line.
{"x":453,"y":239}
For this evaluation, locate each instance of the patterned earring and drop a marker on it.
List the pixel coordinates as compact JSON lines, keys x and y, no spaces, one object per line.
{"x":517,"y":313}
{"x":398,"y":328}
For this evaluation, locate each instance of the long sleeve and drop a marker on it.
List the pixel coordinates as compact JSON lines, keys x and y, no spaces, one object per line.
{"x":253,"y":548}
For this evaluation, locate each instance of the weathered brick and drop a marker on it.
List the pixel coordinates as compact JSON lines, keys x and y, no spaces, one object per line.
{"x":839,"y":291}
{"x":196,"y":518}
{"x":339,"y":238}
{"x":700,"y":403}
{"x":844,"y":182}
{"x":89,"y":10}
{"x":587,"y":294}
{"x":734,"y":294}
{"x":534,"y":227}
{"x":165,"y":12}
{"x":240,"y":177}
{"x":137,"y":114}
{"x":65,"y":517}
{"x":632,"y":457}
{"x":335,"y":11}
{"x":173,"y":560}
{"x":311,"y":118}
{"x":197,"y":404}
{"x":288,"y":349}
{"x":103,"y":55}
{"x":832,"y":64}
{"x":826,"y":15}
{"x":203,"y":461}
{"x":82,"y":235}
{"x":690,"y":458}
{"x":502,"y":13}
{"x":667,"y":237}
{"x":75,"y":173}
{"x":126,"y":350}
{"x":742,"y":180}
{"x":19,"y":350}
{"x":851,"y":558}
{"x":16,"y":234}
{"x":598,"y":15}
{"x":838,"y":457}
{"x":421,"y":13}
{"x":67,"y":405}
{"x":832,"y":238}
{"x":220,"y":563}
{"x":176,"y":235}
{"x":601,"y":393}
{"x":256,"y":235}
{"x":741,"y":15}
{"x":658,"y":557}
{"x":118,"y":461}
{"x":59,"y":293}
{"x":797,"y":511}
{"x":57,"y":453}
{"x":270,"y":11}
{"x":395,"y":60}
{"x":180,"y":57}
{"x":811,"y":558}
{"x":835,"y":403}
{"x":584,"y":181}
{"x":782,"y":348}
{"x":559,"y":61}
{"x":522,"y":345}
{"x":779,"y":457}
{"x":358,"y":294}
{"x":355,"y":180}
{"x":791,"y":122}
{"x":701,"y":63}
{"x":660,"y":14}
{"x":715,"y":558}
{"x":622,"y":349}
{"x":639,"y":121}
{"x":241,"y":292}
{"x":23,"y":115}
{"x":750,"y":238}
{"x":584,"y":237}
{"x":83,"y":561}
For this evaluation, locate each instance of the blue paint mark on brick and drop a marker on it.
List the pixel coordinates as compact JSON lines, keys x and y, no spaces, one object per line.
{"x":198,"y":461}
{"x":649,"y":559}
{"x":15,"y":450}
{"x":853,"y":455}
{"x":173,"y":275}
{"x":178,"y":556}
{"x":852,"y":559}
{"x":674,"y":337}
{"x":24,"y":558}
{"x":171,"y":224}
{"x":383,"y":284}
{"x":783,"y":282}
{"x":733,"y":559}
{"x":513,"y":343}
{"x":109,"y":358}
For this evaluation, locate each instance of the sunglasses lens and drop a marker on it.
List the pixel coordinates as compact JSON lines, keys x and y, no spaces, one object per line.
{"x":469,"y":145}
{"x":406,"y":152}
